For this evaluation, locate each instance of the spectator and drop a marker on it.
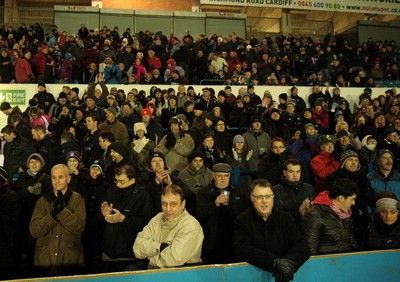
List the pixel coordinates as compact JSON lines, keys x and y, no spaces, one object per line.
{"x":384,"y":176}
{"x":256,"y":140}
{"x":176,"y":146}
{"x":267,"y":237}
{"x":23,"y":69}
{"x":327,"y":226}
{"x":91,"y":150}
{"x":181,"y":244}
{"x":113,"y":125}
{"x":43,"y":98}
{"x":126,"y":209}
{"x":9,"y":111}
{"x":142,"y":147}
{"x":384,"y":230}
{"x":196,"y":175}
{"x":292,"y":195}
{"x":324,"y":163}
{"x":57,"y":222}
{"x":217,"y":207}
{"x":16,"y":151}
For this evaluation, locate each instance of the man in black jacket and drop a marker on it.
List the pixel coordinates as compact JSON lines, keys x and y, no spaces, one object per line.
{"x":217,"y":207}
{"x":127,"y":208}
{"x":327,"y":226}
{"x":267,"y":237}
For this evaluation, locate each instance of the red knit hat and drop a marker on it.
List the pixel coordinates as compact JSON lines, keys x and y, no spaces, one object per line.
{"x":147,"y":111}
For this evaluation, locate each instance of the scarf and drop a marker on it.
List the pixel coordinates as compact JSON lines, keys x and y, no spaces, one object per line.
{"x":139,"y":144}
{"x":323,"y":199}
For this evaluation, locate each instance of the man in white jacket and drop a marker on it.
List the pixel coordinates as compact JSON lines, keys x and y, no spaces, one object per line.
{"x":173,"y":237}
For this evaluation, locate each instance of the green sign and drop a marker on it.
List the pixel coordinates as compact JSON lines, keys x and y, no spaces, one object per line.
{"x":14,"y":97}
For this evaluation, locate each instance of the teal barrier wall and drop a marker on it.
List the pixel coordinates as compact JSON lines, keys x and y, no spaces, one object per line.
{"x":365,"y":266}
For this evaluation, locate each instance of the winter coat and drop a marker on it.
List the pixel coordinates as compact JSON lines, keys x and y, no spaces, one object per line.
{"x":135,"y":203}
{"x":290,"y":195}
{"x":217,"y":222}
{"x":143,"y":157}
{"x":260,"y":242}
{"x":117,"y":128}
{"x":196,"y":179}
{"x":15,"y":155}
{"x":391,"y":183}
{"x":58,"y":240}
{"x":259,"y":143}
{"x":326,"y":233}
{"x":183,"y":235}
{"x":176,"y":157}
{"x":380,"y":236}
{"x":322,"y":165}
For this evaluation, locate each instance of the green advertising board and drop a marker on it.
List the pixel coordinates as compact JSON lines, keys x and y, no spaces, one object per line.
{"x":14,"y":97}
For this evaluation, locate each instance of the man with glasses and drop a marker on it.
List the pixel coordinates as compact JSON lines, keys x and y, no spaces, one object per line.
{"x":173,"y":237}
{"x":126,"y":209}
{"x":217,"y":207}
{"x":267,"y":237}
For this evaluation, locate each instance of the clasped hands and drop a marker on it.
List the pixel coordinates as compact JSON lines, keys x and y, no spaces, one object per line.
{"x":110,"y":214}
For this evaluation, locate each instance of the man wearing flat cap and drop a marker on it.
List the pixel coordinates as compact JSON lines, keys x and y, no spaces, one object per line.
{"x":324,"y":163}
{"x":217,"y":207}
{"x":112,"y":124}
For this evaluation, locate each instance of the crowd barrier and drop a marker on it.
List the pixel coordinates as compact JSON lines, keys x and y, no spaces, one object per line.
{"x":363,"y":266}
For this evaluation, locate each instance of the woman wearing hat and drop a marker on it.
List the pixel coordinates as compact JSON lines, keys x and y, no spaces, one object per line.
{"x":32,"y":184}
{"x":77,"y":171}
{"x":142,"y":147}
{"x":383,"y":231}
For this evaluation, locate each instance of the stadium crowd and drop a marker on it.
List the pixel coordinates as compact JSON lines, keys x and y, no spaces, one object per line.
{"x":107,"y":181}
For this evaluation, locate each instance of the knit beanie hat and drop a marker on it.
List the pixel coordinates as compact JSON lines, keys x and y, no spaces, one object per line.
{"x":146,"y":111}
{"x":196,"y":154}
{"x":35,"y":156}
{"x":158,"y":155}
{"x":238,"y":138}
{"x":345,"y":155}
{"x":389,"y":131}
{"x":387,"y":203}
{"x":74,"y":154}
{"x":139,"y":125}
{"x":99,"y":164}
{"x":120,"y":148}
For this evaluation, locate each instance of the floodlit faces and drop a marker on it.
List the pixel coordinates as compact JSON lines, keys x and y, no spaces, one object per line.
{"x":352,"y":164}
{"x":60,"y":178}
{"x":278,"y":147}
{"x":221,"y":179}
{"x":263,"y":200}
{"x":197,"y":163}
{"x":328,"y":147}
{"x":172,"y":205}
{"x":344,"y":204}
{"x":389,"y":216}
{"x":292,"y":173}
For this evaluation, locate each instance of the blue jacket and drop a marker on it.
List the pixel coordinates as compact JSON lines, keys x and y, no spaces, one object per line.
{"x":380,"y":184}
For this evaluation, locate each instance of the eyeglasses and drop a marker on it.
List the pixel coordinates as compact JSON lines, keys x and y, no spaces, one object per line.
{"x":261,"y":197}
{"x":122,"y":182}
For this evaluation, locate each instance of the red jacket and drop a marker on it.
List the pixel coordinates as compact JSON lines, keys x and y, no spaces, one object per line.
{"x":322,"y":165}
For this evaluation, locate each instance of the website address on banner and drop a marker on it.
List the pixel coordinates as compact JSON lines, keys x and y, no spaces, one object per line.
{"x":373,"y":9}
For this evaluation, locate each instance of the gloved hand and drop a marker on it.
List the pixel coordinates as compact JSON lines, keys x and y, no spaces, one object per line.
{"x":163,"y":246}
{"x":59,"y":204}
{"x":35,"y":189}
{"x":171,"y":141}
{"x":284,"y":270}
